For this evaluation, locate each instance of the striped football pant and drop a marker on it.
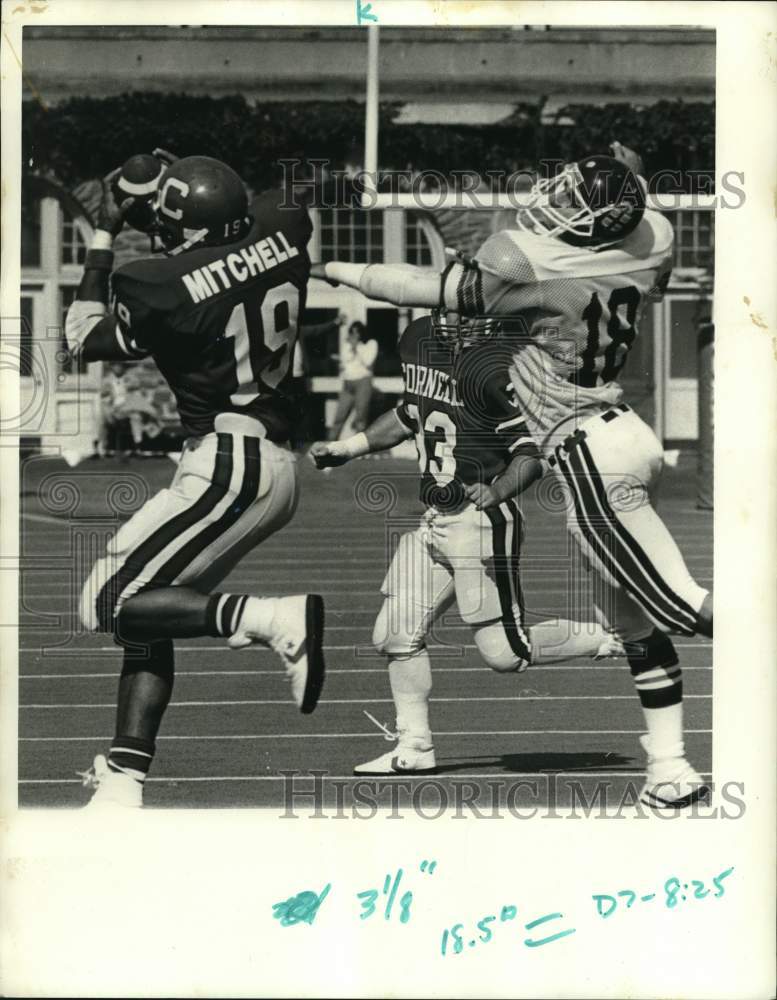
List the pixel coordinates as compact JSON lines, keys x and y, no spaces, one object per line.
{"x":232,"y":490}
{"x":471,"y":556}
{"x":610,"y":469}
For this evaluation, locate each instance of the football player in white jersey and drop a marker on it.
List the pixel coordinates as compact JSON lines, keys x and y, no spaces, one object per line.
{"x":585,"y":257}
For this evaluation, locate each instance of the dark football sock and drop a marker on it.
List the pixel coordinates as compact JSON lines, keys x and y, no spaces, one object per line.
{"x":659,"y":683}
{"x":145,"y":687}
{"x":656,"y":671}
{"x":223,"y":613}
{"x":177,"y":613}
{"x":131,"y":755}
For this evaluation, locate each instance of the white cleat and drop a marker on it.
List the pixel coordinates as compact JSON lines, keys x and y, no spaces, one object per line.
{"x":410,"y":756}
{"x":297,"y":637}
{"x":671,"y":781}
{"x":611,"y":646}
{"x":112,"y":788}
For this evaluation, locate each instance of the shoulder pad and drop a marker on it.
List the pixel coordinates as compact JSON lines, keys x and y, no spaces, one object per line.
{"x":415,"y":330}
{"x":416,"y":334}
{"x":505,"y":256}
{"x":661,"y":229}
{"x":148,"y":285}
{"x":272,"y":211}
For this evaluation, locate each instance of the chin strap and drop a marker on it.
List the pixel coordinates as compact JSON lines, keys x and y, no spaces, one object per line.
{"x":196,"y":237}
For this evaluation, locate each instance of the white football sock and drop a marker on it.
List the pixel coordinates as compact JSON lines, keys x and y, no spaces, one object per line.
{"x":411,"y":685}
{"x":665,"y":729}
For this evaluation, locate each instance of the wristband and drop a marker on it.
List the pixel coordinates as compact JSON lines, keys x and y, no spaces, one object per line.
{"x":98,"y":260}
{"x":99,"y":256}
{"x":351,"y":447}
{"x":101,"y":240}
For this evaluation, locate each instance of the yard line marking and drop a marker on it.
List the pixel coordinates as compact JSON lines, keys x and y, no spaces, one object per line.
{"x":365,"y":735}
{"x":28,"y":593}
{"x":501,"y":775}
{"x":359,"y":701}
{"x":265,"y":649}
{"x":336,"y":670}
{"x":27,"y":597}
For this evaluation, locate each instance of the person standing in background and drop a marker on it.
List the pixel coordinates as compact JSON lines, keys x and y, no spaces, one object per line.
{"x":126,"y":405}
{"x":356,"y":365}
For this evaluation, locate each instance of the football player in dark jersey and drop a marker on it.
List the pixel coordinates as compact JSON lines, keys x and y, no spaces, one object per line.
{"x":218,"y":314}
{"x":475,"y":455}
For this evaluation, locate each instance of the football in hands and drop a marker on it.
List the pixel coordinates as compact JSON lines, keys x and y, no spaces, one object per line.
{"x":139,"y":179}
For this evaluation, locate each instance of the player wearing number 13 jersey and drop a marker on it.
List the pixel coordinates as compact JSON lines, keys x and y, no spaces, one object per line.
{"x":475,"y":455}
{"x":575,"y":274}
{"x":218,"y":314}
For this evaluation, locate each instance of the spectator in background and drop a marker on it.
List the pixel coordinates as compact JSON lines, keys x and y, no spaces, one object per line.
{"x":357,"y":361}
{"x":128,"y":412}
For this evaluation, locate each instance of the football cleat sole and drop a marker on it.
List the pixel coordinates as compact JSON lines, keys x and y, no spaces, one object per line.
{"x":399,"y":771}
{"x":392,"y":763}
{"x":314,"y":651}
{"x":649,"y":798}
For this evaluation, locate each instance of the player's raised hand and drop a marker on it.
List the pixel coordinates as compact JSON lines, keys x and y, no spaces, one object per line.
{"x":110,"y":216}
{"x":483,"y":496}
{"x":628,"y":157}
{"x":321,"y":454}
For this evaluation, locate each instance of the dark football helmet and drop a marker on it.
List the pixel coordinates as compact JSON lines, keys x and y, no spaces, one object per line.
{"x":592,"y":203}
{"x":201,"y":202}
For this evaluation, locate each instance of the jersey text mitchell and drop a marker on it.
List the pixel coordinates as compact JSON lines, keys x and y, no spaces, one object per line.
{"x":241,"y":265}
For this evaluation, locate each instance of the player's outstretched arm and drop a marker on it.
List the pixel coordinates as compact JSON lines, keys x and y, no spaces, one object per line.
{"x":385,"y":432}
{"x":90,"y":331}
{"x":517,"y":477}
{"x":400,"y":284}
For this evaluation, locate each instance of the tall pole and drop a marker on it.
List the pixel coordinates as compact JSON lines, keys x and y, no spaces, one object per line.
{"x":371,"y":119}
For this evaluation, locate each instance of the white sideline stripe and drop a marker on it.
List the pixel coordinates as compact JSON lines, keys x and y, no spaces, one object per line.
{"x":499,"y":775}
{"x":365,"y":736}
{"x":65,"y":604}
{"x":364,"y":701}
{"x":337,"y":670}
{"x":325,"y":563}
{"x":265,"y":649}
{"x":544,"y":521}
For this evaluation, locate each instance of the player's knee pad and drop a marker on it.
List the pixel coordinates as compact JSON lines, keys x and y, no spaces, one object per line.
{"x":394,"y":634}
{"x":496,"y":649}
{"x":652,"y":651}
